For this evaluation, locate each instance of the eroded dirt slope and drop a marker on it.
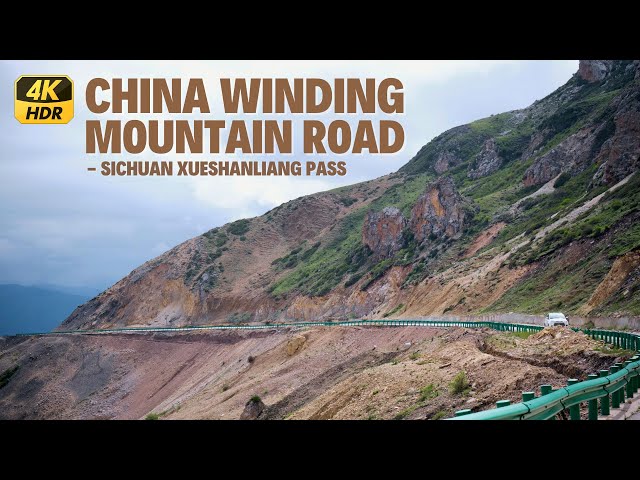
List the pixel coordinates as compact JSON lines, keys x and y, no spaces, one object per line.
{"x":323,"y":372}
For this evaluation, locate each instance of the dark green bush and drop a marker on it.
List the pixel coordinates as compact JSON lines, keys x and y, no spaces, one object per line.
{"x":562,"y":179}
{"x":7,"y":374}
{"x":459,"y":384}
{"x":353,"y":279}
{"x":239,"y":227}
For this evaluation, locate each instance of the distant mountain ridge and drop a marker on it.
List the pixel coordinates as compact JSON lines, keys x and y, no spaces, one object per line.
{"x":526,"y":211}
{"x":34,"y":309}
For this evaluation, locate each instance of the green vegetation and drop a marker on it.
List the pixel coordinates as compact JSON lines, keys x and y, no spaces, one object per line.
{"x":539,"y":210}
{"x":573,"y":115}
{"x":157,"y":416}
{"x":239,"y":227}
{"x":7,"y":374}
{"x":353,"y":279}
{"x":255,"y":399}
{"x":512,"y":145}
{"x":561,"y":180}
{"x":378,"y":270}
{"x":207,"y":278}
{"x":616,"y":206}
{"x":466,"y":141}
{"x":239,"y":317}
{"x":211,"y":233}
{"x":394,"y":310}
{"x":202,"y":261}
{"x":439,"y":415}
{"x":414,"y":356}
{"x":347,"y":201}
{"x":310,"y":251}
{"x":405,"y":413}
{"x":618,"y":352}
{"x":221,"y":239}
{"x":556,"y":287}
{"x":294,"y":257}
{"x":428,"y":393}
{"x":459,"y":385}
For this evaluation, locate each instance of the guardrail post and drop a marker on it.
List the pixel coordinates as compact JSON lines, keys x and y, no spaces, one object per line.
{"x":574,"y":410}
{"x":544,"y":390}
{"x":615,"y":395}
{"x":621,"y":392}
{"x":502,"y":403}
{"x":593,"y":404}
{"x":526,"y":396}
{"x":629,"y":382}
{"x":604,"y":401}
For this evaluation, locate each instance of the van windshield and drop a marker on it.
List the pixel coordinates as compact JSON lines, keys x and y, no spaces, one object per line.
{"x":556,"y":315}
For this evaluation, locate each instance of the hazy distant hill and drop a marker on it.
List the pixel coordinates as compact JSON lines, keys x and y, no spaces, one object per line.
{"x":34,"y":309}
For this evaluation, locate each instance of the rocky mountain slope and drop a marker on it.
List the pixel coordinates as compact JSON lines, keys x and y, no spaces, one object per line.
{"x":526,"y":211}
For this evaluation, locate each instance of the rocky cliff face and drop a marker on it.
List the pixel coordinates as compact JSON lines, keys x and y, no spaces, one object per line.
{"x":572,"y":153}
{"x":620,"y":154}
{"x":486,"y":162}
{"x":438,"y":212}
{"x":383,"y":231}
{"x":488,"y":236}
{"x":445,"y":161}
{"x":594,"y":70}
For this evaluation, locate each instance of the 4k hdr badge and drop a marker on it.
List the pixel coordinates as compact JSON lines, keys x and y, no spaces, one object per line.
{"x":43,"y":99}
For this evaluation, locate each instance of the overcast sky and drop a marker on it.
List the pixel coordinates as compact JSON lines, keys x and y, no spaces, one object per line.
{"x":60,"y":224}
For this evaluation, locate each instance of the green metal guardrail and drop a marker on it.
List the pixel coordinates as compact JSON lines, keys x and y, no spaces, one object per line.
{"x":609,"y":386}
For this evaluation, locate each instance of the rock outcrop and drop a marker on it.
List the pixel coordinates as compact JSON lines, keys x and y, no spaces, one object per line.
{"x":253,"y":409}
{"x":594,"y":70}
{"x":445,"y":161}
{"x":537,"y":140}
{"x":382,"y":231}
{"x":620,"y":154}
{"x":438,"y":212}
{"x":573,"y":152}
{"x":486,"y":162}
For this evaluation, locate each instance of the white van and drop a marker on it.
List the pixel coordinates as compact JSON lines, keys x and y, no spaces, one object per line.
{"x":553,"y":319}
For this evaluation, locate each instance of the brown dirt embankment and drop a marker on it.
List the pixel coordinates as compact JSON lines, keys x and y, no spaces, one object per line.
{"x":322,"y":372}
